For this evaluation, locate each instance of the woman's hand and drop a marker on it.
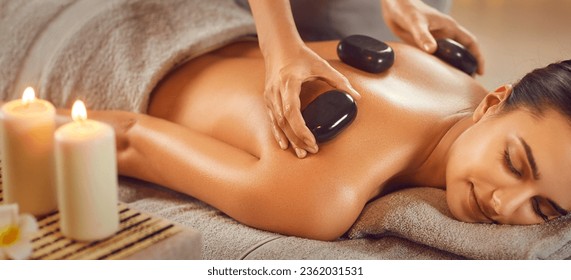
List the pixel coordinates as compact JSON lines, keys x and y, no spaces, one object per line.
{"x":286,"y":72}
{"x":418,"y":24}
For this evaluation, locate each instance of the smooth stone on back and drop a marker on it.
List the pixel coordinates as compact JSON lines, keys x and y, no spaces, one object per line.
{"x":456,"y":55}
{"x":365,"y":53}
{"x":329,"y":114}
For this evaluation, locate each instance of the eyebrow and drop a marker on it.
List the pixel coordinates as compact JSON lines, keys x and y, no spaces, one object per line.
{"x":530,"y":158}
{"x":534,"y":170}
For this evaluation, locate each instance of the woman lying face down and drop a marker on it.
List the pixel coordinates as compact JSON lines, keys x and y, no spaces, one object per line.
{"x":501,"y":156}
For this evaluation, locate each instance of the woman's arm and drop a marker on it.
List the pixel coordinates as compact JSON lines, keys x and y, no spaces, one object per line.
{"x":161,"y":152}
{"x":250,"y":190}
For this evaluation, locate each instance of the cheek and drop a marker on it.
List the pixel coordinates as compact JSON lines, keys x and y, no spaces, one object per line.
{"x":468,"y":158}
{"x":465,"y":153}
{"x":455,"y":193}
{"x":472,"y":153}
{"x":457,"y":174}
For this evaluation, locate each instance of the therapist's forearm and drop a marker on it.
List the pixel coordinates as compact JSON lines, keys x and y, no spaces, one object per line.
{"x":276,"y":28}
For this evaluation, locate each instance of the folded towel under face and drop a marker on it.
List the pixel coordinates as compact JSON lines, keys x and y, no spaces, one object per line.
{"x":421,"y":215}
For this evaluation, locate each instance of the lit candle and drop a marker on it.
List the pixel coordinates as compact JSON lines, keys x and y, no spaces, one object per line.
{"x":86,"y":177}
{"x":27,"y":128}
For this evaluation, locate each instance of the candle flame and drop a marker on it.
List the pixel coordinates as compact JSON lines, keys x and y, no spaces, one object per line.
{"x":78,"y":111}
{"x":29,"y":96}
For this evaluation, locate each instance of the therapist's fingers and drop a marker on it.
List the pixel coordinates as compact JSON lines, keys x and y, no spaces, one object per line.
{"x":419,"y":29}
{"x":273,"y":103}
{"x":296,"y":130}
{"x":300,"y":153}
{"x":295,"y":142}
{"x":277,"y":132}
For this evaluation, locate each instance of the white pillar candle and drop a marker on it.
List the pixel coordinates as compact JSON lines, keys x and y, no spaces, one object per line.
{"x":27,"y":128}
{"x":86,"y":177}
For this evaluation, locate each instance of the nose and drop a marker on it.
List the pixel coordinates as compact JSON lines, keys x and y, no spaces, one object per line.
{"x":505,"y":201}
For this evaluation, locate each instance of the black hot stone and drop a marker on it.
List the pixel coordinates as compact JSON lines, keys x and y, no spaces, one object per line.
{"x":329,"y":114}
{"x":365,"y":53}
{"x":456,"y":55}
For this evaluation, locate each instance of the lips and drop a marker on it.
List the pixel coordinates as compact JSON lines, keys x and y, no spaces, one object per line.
{"x":476,"y":208}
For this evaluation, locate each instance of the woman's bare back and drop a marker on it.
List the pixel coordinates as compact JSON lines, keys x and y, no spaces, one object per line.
{"x":401,"y":117}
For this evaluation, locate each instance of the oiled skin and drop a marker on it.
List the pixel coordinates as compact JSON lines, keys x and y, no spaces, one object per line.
{"x":207,"y":134}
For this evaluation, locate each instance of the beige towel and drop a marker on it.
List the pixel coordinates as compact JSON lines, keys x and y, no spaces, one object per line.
{"x":109,"y":53}
{"x":224,"y":238}
{"x":421,"y":215}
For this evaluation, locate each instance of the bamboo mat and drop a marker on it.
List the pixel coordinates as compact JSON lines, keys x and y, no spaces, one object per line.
{"x":137,"y":231}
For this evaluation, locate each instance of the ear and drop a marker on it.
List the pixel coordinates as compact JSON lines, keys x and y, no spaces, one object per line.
{"x":492,"y":102}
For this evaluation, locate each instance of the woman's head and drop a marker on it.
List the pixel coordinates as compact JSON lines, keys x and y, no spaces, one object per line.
{"x":512,"y":165}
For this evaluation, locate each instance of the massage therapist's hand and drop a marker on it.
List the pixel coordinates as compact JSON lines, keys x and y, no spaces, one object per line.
{"x":419,"y":24}
{"x":285,"y":73}
{"x":289,"y":63}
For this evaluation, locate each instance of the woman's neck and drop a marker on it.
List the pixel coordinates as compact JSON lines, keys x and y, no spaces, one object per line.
{"x":432,"y":172}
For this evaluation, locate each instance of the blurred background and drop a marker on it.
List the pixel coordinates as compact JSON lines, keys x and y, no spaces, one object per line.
{"x":516,"y":36}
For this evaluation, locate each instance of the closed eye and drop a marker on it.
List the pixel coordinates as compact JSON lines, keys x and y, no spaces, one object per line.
{"x":537,"y":210}
{"x":558,"y":208}
{"x":509,"y":164}
{"x":553,"y":208}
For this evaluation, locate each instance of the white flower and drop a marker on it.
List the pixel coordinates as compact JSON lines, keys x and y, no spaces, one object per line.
{"x":15,"y":233}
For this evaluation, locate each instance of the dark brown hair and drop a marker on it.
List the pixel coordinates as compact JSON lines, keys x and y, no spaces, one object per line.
{"x":544,"y":88}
